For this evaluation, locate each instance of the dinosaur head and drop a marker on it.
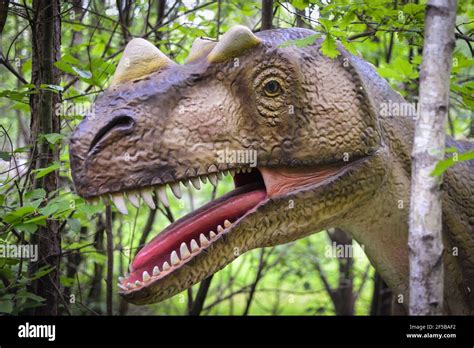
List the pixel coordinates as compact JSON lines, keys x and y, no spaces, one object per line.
{"x":294,"y":128}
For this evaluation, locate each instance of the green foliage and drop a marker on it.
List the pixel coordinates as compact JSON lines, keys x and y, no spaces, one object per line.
{"x":445,"y":164}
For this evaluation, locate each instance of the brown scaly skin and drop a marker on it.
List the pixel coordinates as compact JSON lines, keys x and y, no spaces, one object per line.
{"x":181,"y":115}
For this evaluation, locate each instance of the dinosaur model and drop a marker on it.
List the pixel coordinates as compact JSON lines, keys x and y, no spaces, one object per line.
{"x":327,"y":157}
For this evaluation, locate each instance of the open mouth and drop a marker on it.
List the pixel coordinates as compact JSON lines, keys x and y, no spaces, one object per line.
{"x":191,"y":235}
{"x":195,"y":232}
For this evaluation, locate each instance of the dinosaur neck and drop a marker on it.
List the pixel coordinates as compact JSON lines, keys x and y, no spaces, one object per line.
{"x":381,"y":225}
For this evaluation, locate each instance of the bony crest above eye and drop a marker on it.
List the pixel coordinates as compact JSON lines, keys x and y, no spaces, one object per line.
{"x":272,"y":88}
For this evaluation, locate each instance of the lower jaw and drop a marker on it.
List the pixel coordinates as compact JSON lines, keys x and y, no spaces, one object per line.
{"x":184,"y":239}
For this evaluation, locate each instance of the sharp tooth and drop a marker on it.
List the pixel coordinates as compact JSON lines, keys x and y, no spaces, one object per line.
{"x":133,"y":198}
{"x":121,"y":279}
{"x":166,"y":266}
{"x":120,"y":203}
{"x":130,"y":286}
{"x":220,"y":229}
{"x":203,"y":240}
{"x":174,"y":258}
{"x":196,"y":183}
{"x":232,"y":172}
{"x":176,"y":190}
{"x":138,"y":283}
{"x":225,"y":172}
{"x":227,"y":224}
{"x":161,"y":192}
{"x":237,"y":170}
{"x":185,"y":182}
{"x":212,"y":235}
{"x":148,"y":198}
{"x":184,"y":251}
{"x":123,"y":287}
{"x":146,"y":277}
{"x":213,"y":179}
{"x":156,"y":271}
{"x":194,"y":246}
{"x":203,"y":179}
{"x":219,"y":175}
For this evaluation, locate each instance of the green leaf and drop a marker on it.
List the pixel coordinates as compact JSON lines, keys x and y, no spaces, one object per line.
{"x":90,"y":209}
{"x":42,"y":272}
{"x":300,"y":4}
{"x":53,"y":138}
{"x":36,"y":194}
{"x":300,"y":43}
{"x":445,"y":164}
{"x":45,"y":171}
{"x":28,"y":228}
{"x":6,"y":306}
{"x":17,"y":215}
{"x":413,"y":8}
{"x":52,"y":88}
{"x":22,"y":149}
{"x":329,"y":47}
{"x":81,"y":73}
{"x":346,"y":20}
{"x":65,"y":67}
{"x":327,"y":24}
{"x":67,"y":58}
{"x":65,"y":281}
{"x":6,"y":156}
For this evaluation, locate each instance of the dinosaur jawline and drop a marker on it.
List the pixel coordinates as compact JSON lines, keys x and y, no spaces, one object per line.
{"x":187,"y":237}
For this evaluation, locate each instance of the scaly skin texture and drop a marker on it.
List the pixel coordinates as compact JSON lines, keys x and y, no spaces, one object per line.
{"x":328,"y":111}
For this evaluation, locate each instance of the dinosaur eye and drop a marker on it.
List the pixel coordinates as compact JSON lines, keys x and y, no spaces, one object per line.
{"x":272,"y":88}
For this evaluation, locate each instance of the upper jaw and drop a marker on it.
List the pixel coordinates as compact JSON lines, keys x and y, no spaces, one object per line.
{"x":144,"y":184}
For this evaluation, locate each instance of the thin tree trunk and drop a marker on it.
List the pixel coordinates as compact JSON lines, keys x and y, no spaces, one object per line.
{"x":381,"y":298}
{"x":425,"y":237}
{"x":267,"y":14}
{"x":300,"y":19}
{"x":46,"y":37}
{"x":198,"y":302}
{"x":160,"y":15}
{"x":343,"y":298}
{"x":96,"y":281}
{"x":3,"y":14}
{"x":110,"y":259}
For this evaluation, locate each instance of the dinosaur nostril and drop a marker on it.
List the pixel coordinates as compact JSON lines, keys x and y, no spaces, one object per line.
{"x":123,"y":123}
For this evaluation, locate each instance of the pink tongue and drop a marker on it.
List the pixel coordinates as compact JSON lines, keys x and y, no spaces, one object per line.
{"x":204,"y":220}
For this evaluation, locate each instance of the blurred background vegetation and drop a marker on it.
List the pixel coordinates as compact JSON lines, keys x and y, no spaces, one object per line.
{"x":300,"y":278}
